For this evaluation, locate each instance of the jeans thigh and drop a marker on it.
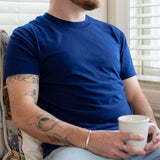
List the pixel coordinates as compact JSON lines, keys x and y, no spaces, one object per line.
{"x":73,"y":153}
{"x":155,"y":155}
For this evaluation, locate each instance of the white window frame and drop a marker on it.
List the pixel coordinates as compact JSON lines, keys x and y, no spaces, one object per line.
{"x":144,"y":45}
{"x":118,"y":15}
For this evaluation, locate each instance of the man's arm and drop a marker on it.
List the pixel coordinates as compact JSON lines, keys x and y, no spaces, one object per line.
{"x":136,"y":98}
{"x":140,"y":106}
{"x":23,"y":95}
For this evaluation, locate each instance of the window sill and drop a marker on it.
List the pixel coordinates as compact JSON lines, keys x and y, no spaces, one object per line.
{"x":149,"y":79}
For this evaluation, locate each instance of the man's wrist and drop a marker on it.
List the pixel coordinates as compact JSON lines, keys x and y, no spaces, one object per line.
{"x":88,"y":139}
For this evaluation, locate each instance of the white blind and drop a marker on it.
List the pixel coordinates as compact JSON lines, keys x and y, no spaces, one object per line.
{"x":144,"y":31}
{"x":14,"y":13}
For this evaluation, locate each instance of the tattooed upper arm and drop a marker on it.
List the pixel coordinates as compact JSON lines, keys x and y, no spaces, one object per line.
{"x":33,"y":94}
{"x":29,"y":87}
{"x":28,"y":78}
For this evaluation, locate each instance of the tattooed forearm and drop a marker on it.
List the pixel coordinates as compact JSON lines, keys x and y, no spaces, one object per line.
{"x":46,"y":123}
{"x":32,"y":94}
{"x":57,"y":139}
{"x":43,"y":122}
{"x":29,"y":78}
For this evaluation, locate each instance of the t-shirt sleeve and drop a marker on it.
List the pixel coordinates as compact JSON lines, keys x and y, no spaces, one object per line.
{"x":127,"y":68}
{"x":21,"y":54}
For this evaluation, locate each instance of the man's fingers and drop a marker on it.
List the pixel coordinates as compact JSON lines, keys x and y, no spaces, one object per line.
{"x":132,"y":136}
{"x":113,"y":157}
{"x":153,"y":146}
{"x":122,"y":154}
{"x":134,"y":150}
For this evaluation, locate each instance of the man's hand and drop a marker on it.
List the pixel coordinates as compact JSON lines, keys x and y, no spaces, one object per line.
{"x":155,"y":142}
{"x":109,"y":144}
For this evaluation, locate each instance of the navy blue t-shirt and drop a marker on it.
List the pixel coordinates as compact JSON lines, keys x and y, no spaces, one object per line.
{"x":81,"y":67}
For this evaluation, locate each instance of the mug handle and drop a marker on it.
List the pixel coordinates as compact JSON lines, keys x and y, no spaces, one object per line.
{"x":155,"y":131}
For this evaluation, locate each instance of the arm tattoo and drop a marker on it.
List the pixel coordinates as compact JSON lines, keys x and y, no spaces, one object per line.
{"x":43,"y":122}
{"x":29,"y":78}
{"x":32,"y":94}
{"x":46,"y":123}
{"x":57,"y":139}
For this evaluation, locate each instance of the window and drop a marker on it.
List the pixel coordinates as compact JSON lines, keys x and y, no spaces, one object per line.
{"x":144,"y":38}
{"x":14,"y":13}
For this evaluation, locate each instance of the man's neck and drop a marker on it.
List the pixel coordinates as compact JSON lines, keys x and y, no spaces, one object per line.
{"x":66,"y":10}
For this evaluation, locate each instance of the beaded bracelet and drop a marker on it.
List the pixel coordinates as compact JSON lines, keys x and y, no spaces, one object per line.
{"x":88,"y":138}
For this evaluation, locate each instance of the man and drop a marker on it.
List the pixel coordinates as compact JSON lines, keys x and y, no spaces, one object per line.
{"x":69,"y":78}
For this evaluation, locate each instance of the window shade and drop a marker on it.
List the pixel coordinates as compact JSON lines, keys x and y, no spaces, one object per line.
{"x":144,"y":39}
{"x":14,"y":13}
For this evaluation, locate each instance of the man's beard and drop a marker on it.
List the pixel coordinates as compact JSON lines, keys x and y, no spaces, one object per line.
{"x":87,"y":4}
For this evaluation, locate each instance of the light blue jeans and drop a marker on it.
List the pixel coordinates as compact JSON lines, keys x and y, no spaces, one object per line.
{"x":73,"y":153}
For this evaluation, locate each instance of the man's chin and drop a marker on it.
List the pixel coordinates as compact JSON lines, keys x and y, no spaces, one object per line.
{"x":87,"y":4}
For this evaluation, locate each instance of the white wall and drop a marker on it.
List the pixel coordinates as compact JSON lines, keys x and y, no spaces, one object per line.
{"x":100,"y":13}
{"x":118,"y":14}
{"x":152,"y":92}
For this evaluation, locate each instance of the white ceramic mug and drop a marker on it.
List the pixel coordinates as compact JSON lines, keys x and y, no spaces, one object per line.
{"x":136,"y":124}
